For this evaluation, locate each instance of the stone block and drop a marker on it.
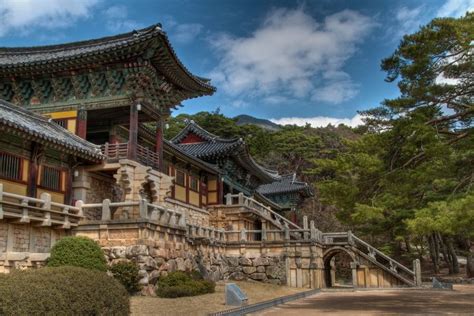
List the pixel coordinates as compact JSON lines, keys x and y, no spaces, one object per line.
{"x":245,"y":261}
{"x":261,"y":261}
{"x":261,"y":269}
{"x":258,"y":276}
{"x":249,"y":270}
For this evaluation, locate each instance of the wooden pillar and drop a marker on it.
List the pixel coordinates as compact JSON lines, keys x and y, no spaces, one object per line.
{"x":159,"y":143}
{"x":220,"y":190}
{"x":133,"y":132}
{"x":68,"y":184}
{"x":81,"y":127}
{"x":36,"y":151}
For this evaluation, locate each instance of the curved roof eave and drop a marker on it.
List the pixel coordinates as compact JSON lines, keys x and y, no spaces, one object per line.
{"x":15,"y":59}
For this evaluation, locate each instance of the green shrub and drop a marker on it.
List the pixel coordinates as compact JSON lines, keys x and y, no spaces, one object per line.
{"x":179,"y":284}
{"x":78,"y":252}
{"x":127,"y":274}
{"x":62,"y":291}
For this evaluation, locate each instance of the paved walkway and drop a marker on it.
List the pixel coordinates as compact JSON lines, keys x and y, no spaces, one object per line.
{"x":386,"y":302}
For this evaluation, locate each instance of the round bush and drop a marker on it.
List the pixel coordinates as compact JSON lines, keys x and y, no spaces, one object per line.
{"x":78,"y":252}
{"x":179,"y":284}
{"x":127,"y":274}
{"x":62,"y":291}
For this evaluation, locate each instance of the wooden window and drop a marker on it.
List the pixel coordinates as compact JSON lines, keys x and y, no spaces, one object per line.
{"x":194,"y":183}
{"x":51,"y":178}
{"x":10,"y":166}
{"x":61,"y":122}
{"x":180,"y":178}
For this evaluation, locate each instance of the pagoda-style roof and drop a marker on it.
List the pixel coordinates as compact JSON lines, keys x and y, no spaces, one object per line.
{"x":286,"y":184}
{"x":180,"y":153}
{"x":196,"y":141}
{"x":20,"y":121}
{"x":139,"y":60}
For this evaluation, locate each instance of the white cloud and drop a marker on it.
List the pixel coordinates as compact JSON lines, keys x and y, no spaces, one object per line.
{"x":455,"y":8}
{"x":117,"y":19}
{"x":319,"y":121}
{"x":407,"y":21}
{"x":181,"y":33}
{"x":289,"y":55}
{"x":185,"y":33}
{"x":24,"y":15}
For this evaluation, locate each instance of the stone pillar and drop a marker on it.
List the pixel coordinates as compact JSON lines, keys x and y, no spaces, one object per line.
{"x":417,"y":270}
{"x":81,"y":126}
{"x":133,"y":132}
{"x":354,"y":274}
{"x":80,"y":184}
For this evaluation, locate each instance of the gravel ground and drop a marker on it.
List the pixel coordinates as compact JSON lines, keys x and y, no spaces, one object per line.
{"x":386,"y":302}
{"x":204,"y":304}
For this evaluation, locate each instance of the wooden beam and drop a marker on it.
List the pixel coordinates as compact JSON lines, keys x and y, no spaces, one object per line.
{"x":159,"y":143}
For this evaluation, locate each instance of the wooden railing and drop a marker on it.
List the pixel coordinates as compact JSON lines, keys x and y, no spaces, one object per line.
{"x":40,"y":211}
{"x":117,"y":151}
{"x":242,"y":200}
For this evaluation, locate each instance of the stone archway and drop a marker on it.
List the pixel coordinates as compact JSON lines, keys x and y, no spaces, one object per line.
{"x":330,"y":268}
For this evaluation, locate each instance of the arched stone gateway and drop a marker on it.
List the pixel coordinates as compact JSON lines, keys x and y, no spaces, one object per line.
{"x":330,"y":268}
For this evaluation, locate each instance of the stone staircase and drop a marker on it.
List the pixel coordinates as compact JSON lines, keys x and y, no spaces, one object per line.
{"x":361,"y":249}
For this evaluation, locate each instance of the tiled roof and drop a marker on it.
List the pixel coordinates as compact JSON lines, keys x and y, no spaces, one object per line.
{"x":43,"y":130}
{"x":287,"y":184}
{"x":148,"y":43}
{"x":214,"y":146}
{"x":177,"y":150}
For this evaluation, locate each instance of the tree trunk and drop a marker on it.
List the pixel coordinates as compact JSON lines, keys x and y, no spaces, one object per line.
{"x":444,"y":250}
{"x":433,"y":253}
{"x":453,"y":256}
{"x":468,"y":251}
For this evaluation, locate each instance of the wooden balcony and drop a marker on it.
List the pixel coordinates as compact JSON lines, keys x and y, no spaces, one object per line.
{"x":145,"y":156}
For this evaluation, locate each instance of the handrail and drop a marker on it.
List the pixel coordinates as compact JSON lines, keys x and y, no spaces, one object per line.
{"x":247,"y":201}
{"x":116,"y":151}
{"x":381,"y":254}
{"x":28,"y":209}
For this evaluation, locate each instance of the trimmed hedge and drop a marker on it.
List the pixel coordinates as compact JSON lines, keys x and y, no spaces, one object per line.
{"x":179,"y":284}
{"x":62,"y":291}
{"x":127,"y":274}
{"x":78,"y":252}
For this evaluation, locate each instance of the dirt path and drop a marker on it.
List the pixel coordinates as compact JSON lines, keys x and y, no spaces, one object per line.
{"x":204,"y":304}
{"x":390,"y":302}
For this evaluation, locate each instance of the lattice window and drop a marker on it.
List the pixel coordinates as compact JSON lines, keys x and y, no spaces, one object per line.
{"x":180,"y":177}
{"x":194,"y":183}
{"x":51,"y":178}
{"x":10,"y":166}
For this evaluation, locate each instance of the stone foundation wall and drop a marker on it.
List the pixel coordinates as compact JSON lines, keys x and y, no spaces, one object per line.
{"x":210,"y":261}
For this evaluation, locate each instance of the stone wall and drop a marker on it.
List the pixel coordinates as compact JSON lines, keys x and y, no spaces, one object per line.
{"x":210,"y":261}
{"x":23,"y":246}
{"x":194,"y":215}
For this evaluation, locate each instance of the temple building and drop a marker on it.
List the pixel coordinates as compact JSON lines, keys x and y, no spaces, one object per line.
{"x":82,"y":153}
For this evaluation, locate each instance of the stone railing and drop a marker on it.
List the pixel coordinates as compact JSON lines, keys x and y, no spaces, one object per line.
{"x":152,"y":212}
{"x":40,"y":211}
{"x":265,"y":211}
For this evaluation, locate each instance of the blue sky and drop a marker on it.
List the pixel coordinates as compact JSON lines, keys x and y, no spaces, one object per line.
{"x":291,"y":61}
